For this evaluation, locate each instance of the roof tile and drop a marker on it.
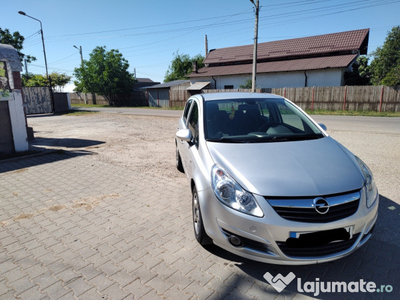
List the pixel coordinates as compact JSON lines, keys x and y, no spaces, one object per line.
{"x":356,"y":40}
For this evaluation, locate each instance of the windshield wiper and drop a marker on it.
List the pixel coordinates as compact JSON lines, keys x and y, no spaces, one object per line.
{"x":226,"y":140}
{"x":301,"y":137}
{"x":304,"y":137}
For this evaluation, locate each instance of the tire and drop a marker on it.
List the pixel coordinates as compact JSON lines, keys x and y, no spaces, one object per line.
{"x":199,"y":231}
{"x":179,"y":165}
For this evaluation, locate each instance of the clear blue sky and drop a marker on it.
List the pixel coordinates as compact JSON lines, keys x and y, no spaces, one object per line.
{"x":149,"y":32}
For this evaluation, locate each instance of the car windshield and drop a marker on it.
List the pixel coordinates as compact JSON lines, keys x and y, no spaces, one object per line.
{"x":257,"y":120}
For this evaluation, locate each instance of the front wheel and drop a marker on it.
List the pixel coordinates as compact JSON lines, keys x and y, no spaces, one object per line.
{"x":199,"y":231}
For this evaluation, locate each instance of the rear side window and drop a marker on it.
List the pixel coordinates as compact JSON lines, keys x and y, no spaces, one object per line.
{"x":194,"y":122}
{"x":187,"y":107}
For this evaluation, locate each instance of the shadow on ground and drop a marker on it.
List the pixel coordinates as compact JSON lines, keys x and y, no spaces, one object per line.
{"x":47,"y":150}
{"x":64,"y":142}
{"x":378,"y":261}
{"x":36,"y":158}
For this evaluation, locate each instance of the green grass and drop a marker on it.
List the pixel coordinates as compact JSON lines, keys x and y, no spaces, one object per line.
{"x":164,"y":108}
{"x":147,"y":107}
{"x":354,"y":113}
{"x":78,"y":113}
{"x":89,"y":105}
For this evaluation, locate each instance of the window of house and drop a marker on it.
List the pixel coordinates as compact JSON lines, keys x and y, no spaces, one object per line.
{"x":228,"y":87}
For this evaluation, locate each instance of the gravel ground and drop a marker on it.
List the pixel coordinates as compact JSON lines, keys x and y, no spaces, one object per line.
{"x":146,"y":143}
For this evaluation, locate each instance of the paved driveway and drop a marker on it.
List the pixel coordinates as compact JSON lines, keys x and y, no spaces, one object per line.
{"x":107,"y":216}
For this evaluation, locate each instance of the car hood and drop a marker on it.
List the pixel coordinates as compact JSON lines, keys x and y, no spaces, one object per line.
{"x":291,"y":169}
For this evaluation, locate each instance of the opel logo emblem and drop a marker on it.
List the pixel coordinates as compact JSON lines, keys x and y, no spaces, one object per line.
{"x":321,"y":205}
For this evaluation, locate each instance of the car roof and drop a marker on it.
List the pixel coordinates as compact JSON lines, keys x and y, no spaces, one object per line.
{"x":237,"y":96}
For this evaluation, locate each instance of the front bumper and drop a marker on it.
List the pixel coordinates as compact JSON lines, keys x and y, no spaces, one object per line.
{"x":264,"y":239}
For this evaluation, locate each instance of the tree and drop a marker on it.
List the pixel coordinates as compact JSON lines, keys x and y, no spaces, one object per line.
{"x":105,"y":73}
{"x":248,"y":84}
{"x":360,"y":74}
{"x":181,"y":66}
{"x":385,"y":66}
{"x":16,"y":40}
{"x":58,"y":81}
{"x":393,"y":77}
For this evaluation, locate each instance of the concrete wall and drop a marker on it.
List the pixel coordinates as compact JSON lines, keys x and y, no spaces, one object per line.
{"x":12,"y":100}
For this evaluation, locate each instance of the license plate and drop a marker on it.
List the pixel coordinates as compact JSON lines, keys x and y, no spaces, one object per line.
{"x":297,"y":235}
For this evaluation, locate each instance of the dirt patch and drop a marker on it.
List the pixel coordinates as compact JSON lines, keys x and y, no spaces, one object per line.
{"x":143,"y":143}
{"x":90,"y":203}
{"x":24,"y":216}
{"x":56,"y":207}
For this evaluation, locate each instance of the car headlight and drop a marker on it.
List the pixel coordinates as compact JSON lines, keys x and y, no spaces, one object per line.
{"x":370,"y":187}
{"x":230,"y":193}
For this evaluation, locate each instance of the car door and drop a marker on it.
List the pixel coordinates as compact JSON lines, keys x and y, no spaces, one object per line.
{"x":192,"y":146}
{"x":183,"y":146}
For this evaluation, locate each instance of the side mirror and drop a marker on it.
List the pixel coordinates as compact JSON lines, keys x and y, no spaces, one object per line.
{"x":322,"y":126}
{"x":184,"y":134}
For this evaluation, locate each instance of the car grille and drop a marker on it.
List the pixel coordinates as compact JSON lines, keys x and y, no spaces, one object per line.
{"x":318,"y":251}
{"x":303,"y":209}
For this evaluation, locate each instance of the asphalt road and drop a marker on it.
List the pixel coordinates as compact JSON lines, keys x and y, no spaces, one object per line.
{"x":133,"y":111}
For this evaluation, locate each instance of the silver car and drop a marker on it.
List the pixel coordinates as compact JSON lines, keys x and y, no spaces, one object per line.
{"x":269,"y":184}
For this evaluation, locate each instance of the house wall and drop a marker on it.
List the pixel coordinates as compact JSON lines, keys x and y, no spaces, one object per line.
{"x":330,"y":77}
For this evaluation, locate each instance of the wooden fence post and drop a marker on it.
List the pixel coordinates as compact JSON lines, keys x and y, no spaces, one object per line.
{"x":381,"y":100}
{"x":312,"y":99}
{"x":345,"y":96}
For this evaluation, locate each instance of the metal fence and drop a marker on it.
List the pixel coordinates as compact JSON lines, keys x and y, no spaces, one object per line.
{"x":37,"y":100}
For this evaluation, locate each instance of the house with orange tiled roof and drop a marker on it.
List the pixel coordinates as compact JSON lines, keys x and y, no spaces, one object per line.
{"x":310,"y":61}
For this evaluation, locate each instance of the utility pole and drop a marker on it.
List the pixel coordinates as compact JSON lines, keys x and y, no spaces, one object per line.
{"x":45,"y":59}
{"x":253,"y":81}
{"x":26,"y":67}
{"x":80,"y":52}
{"x":206,"y":45}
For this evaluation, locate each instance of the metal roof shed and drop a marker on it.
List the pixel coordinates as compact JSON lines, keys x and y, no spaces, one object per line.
{"x":159,"y":95}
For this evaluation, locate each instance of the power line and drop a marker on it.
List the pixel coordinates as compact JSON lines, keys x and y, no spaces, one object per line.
{"x":151,"y":26}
